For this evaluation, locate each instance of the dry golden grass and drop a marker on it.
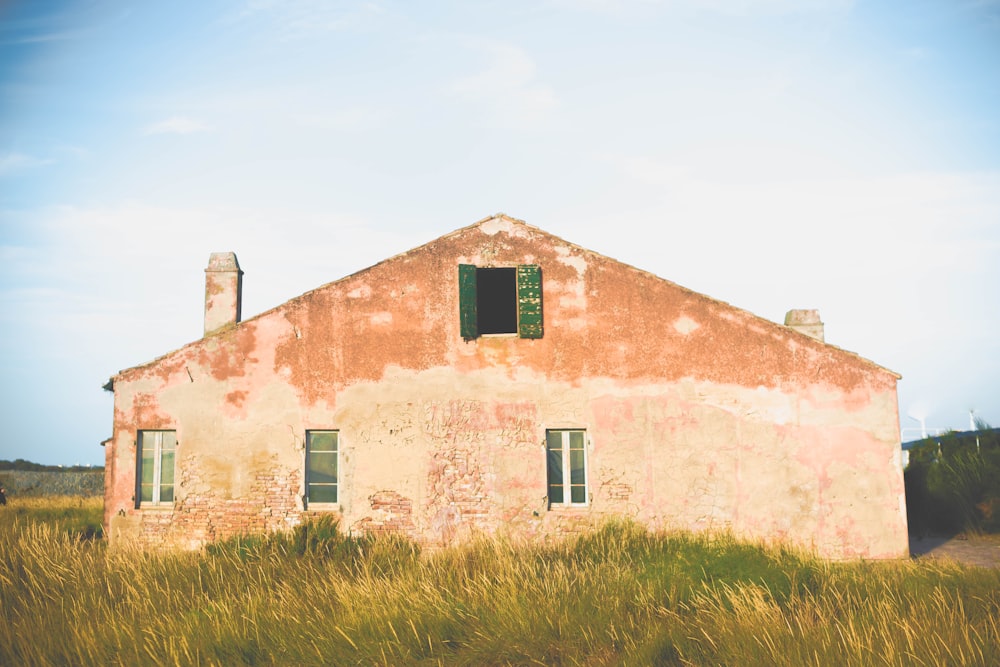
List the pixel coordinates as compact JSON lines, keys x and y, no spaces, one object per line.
{"x":618,"y":596}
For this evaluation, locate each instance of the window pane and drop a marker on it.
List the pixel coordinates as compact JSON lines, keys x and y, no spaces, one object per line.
{"x":576,"y":472}
{"x":146,"y":476}
{"x":167,"y":467}
{"x":553,"y":439}
{"x":166,"y":493}
{"x":322,"y":468}
{"x":146,"y":445}
{"x":556,"y":494}
{"x":578,"y":494}
{"x":169,"y":440}
{"x":322,"y":493}
{"x":576,"y":439}
{"x":148,"y":464}
{"x":322,"y":441}
{"x":555,"y":459}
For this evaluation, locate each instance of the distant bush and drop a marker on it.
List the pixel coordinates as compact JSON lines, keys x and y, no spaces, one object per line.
{"x":32,"y":483}
{"x":21,"y":464}
{"x":953,"y":483}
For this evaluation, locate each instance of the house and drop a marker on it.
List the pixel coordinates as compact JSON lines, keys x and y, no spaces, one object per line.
{"x":502,"y":379}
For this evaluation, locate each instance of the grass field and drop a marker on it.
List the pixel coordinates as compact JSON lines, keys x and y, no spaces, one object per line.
{"x":620,"y":596}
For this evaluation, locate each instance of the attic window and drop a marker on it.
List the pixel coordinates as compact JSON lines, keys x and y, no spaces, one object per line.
{"x":496,"y":300}
{"x":500,"y":300}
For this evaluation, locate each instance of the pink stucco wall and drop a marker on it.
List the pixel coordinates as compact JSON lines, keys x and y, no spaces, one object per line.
{"x":698,"y":415}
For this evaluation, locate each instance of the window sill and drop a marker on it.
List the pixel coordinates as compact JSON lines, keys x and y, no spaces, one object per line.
{"x":323,"y":507}
{"x":156,"y":508}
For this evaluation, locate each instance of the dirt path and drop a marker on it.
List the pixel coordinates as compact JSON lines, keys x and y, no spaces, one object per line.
{"x":982,"y":551}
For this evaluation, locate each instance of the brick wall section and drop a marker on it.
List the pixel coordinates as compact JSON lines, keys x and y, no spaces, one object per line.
{"x":468,"y":436}
{"x":272,"y":504}
{"x":566,"y":521}
{"x":392,"y":513}
{"x":156,"y":527}
{"x":458,"y":490}
{"x":617,"y":491}
{"x":615,"y":487}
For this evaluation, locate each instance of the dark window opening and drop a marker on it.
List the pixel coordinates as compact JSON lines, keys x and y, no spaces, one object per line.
{"x":500,"y":301}
{"x":496,"y":300}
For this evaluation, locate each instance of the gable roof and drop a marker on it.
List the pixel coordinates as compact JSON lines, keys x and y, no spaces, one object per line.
{"x":501,"y":222}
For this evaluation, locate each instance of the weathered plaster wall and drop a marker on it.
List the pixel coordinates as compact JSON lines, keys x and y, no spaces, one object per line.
{"x":699,"y":415}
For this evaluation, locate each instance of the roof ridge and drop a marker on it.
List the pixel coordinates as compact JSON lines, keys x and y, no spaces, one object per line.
{"x":503,"y":216}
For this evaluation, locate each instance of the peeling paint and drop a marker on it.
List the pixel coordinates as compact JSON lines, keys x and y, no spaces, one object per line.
{"x":565,"y":255}
{"x":685,"y":325}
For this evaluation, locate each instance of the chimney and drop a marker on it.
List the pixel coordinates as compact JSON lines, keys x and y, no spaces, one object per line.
{"x":805,"y":321}
{"x":223,"y":292}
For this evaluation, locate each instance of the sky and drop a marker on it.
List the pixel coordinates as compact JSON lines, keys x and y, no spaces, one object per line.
{"x":774,"y":154}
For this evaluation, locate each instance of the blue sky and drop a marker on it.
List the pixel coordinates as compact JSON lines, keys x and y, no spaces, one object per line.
{"x":774,"y":154}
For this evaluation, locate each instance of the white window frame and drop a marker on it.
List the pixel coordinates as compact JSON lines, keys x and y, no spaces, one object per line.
{"x":144,"y":440}
{"x":314,"y":505}
{"x":566,"y":482}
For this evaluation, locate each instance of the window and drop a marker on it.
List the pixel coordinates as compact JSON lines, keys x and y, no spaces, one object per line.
{"x":500,"y":300}
{"x":322,"y":453}
{"x":566,"y":456}
{"x":155,"y":467}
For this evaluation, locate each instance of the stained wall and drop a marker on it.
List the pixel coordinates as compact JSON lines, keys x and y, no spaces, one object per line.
{"x":699,"y":415}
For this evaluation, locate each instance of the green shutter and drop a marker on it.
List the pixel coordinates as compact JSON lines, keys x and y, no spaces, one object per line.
{"x":529,"y":301}
{"x":468,"y":316}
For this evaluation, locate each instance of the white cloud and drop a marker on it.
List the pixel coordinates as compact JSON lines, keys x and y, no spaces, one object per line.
{"x":345,"y":119}
{"x":11,"y":162}
{"x":871,"y":226}
{"x":728,"y":7}
{"x":42,"y":38}
{"x":126,"y":283}
{"x":177,"y":125}
{"x":294,"y":20}
{"x":508,"y":85}
{"x":745,"y":7}
{"x":918,"y":53}
{"x":136,"y":251}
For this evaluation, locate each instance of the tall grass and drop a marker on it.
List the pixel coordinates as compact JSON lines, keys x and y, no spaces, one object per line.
{"x":620,"y":595}
{"x":79,"y":515}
